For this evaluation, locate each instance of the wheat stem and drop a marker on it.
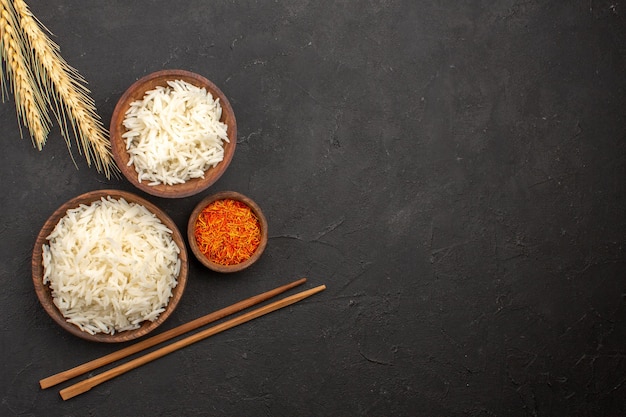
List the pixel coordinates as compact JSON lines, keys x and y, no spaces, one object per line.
{"x":29,"y":102}
{"x":73,"y":107}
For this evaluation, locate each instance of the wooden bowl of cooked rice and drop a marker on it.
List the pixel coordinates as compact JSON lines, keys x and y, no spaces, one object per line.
{"x":173,"y":133}
{"x":109,"y":266}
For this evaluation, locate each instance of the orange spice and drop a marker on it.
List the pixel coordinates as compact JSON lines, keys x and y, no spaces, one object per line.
{"x":227,"y":232}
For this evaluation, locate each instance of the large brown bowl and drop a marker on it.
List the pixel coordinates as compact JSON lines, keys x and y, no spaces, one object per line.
{"x":118,"y":146}
{"x":44,"y":292}
{"x":191,"y":227}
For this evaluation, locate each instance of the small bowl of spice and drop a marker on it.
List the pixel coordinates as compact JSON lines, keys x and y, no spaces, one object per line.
{"x":173,"y":133}
{"x":227,"y":232}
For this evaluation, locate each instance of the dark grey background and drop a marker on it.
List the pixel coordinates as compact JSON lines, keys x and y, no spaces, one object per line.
{"x":453,"y":171}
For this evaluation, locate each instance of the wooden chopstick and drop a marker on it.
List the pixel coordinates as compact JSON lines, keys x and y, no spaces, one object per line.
{"x":155,"y":340}
{"x":87,"y":384}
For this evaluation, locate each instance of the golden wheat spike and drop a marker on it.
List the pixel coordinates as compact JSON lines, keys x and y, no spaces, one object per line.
{"x":73,"y":107}
{"x":30,"y":104}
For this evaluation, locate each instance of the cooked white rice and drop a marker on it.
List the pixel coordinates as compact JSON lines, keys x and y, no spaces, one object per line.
{"x":111,"y":265}
{"x":174,"y":133}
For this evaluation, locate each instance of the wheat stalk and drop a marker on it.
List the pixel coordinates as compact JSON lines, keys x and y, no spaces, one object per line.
{"x":73,"y":107}
{"x":29,"y":102}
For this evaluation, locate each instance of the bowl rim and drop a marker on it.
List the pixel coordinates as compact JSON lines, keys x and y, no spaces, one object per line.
{"x":136,"y":91}
{"x":43,"y":290}
{"x":191,"y":239}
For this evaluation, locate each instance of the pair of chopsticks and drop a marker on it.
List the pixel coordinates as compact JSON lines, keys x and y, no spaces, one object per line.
{"x":87,"y":384}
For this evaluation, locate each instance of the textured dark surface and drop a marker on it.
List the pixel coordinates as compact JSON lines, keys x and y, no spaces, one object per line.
{"x":453,"y":171}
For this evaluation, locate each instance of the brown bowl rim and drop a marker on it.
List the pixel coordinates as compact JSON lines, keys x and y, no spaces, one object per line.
{"x":43,"y":291}
{"x":136,"y":92}
{"x":192,"y":224}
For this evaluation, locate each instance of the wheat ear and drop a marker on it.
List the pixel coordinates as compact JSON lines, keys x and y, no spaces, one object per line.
{"x":73,"y":107}
{"x":30,"y":104}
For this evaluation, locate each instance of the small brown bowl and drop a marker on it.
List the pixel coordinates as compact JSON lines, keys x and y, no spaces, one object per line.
{"x":44,"y":293}
{"x":192,"y":238}
{"x":118,"y":146}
